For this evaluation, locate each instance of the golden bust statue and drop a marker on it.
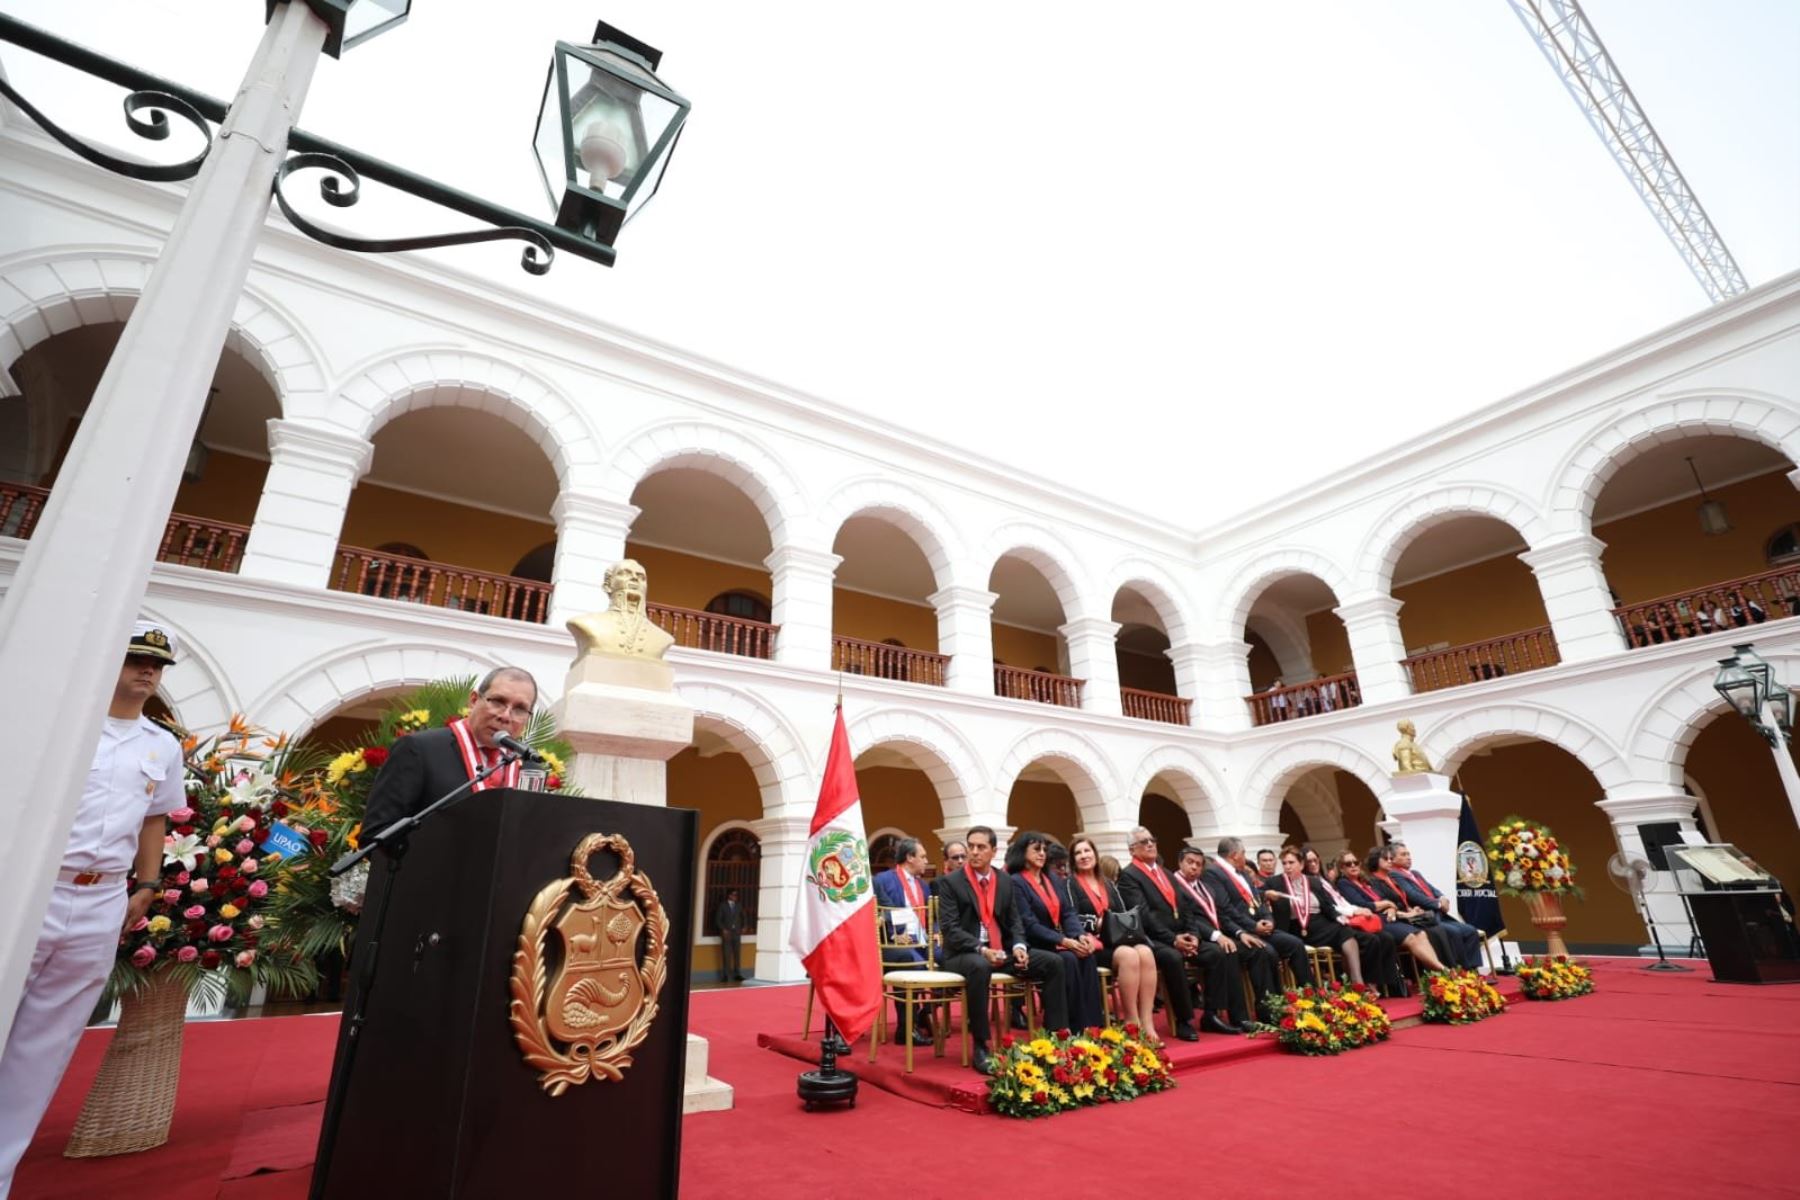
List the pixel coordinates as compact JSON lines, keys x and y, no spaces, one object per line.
{"x":1408,"y":758}
{"x":623,"y":629}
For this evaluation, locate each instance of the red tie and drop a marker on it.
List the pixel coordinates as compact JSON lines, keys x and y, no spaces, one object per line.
{"x":993,"y":923}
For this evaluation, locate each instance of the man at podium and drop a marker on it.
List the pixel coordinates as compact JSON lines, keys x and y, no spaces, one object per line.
{"x":425,"y":765}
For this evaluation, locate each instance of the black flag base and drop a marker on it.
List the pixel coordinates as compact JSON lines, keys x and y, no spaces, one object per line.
{"x":828,"y":1085}
{"x":1665,"y":965}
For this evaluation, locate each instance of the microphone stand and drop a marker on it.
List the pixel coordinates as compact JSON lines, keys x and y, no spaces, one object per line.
{"x":393,"y":838}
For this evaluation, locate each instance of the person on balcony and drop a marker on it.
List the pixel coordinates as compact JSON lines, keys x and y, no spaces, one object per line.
{"x":1465,"y":939}
{"x":134,"y":781}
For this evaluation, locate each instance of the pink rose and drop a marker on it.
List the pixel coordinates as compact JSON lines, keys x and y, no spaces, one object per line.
{"x":258,"y":890}
{"x":200,"y":887}
{"x":255,"y":922}
{"x":219,"y":933}
{"x":181,"y":879}
{"x":182,"y":816}
{"x":143,"y":956}
{"x":212,"y":841}
{"x":194,"y":912}
{"x":245,"y":846}
{"x":245,"y":824}
{"x":248,"y":866}
{"x":245,"y":958}
{"x":139,"y":925}
{"x":172,"y":896}
{"x":186,"y":954}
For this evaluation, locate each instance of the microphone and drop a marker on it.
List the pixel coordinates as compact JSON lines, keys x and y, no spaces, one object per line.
{"x":513,"y":745}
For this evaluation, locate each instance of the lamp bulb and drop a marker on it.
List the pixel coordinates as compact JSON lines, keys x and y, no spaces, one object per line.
{"x":602,"y":155}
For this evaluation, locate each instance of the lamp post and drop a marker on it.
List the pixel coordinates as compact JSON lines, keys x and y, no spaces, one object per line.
{"x":1748,"y":684}
{"x":79,"y":585}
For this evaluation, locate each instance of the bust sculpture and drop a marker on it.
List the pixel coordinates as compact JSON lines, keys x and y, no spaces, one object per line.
{"x":623,"y":629}
{"x":1408,"y":758}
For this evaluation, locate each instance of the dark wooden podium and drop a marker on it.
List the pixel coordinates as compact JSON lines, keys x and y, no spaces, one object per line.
{"x":439,"y":1101}
{"x":1747,"y":937}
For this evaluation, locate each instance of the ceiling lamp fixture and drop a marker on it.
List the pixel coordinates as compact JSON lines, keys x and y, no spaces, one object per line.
{"x":1712,"y":513}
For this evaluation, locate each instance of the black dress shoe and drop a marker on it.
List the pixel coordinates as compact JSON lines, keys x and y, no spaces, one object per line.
{"x":1185,"y":1032}
{"x":922,"y":1037}
{"x":1019,"y":1022}
{"x":983,"y":1061}
{"x":1213,"y":1024}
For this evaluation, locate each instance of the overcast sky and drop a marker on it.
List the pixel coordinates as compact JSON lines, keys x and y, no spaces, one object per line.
{"x":1185,"y":257}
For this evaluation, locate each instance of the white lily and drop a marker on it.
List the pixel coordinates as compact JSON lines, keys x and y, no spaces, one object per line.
{"x":184,"y":850}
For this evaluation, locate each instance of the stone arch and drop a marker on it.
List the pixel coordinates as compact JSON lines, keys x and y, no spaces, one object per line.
{"x":1095,"y":785}
{"x":45,"y":293}
{"x":453,"y":377}
{"x":950,"y":762}
{"x":1759,"y":416}
{"x":907,"y":509}
{"x":719,"y":451}
{"x":1266,"y":783}
{"x":1158,"y":588}
{"x":1397,"y":530}
{"x":310,"y":693}
{"x":1287,"y":640}
{"x":1050,"y":555}
{"x":1198,"y":788}
{"x":196,"y":689}
{"x":766,"y":739}
{"x":1321,"y":810}
{"x":1664,"y":730}
{"x":1256,"y":575}
{"x":1452,"y":740}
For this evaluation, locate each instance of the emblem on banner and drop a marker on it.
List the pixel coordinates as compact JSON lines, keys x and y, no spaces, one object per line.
{"x":840,"y":866}
{"x":1471,"y":865}
{"x":611,"y":963}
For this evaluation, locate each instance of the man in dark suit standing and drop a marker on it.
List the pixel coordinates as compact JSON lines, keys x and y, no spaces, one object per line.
{"x":1247,"y":919}
{"x":1216,"y":954}
{"x":1144,"y":885}
{"x":425,"y":765}
{"x":729,"y":917}
{"x":983,"y":932}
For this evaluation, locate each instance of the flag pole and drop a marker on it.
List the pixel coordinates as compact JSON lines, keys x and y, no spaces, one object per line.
{"x":1506,"y":964}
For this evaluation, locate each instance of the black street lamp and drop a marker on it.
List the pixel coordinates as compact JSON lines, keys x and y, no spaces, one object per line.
{"x":1748,"y":684}
{"x":352,"y":22}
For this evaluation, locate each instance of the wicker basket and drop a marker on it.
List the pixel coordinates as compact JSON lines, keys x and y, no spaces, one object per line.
{"x":133,"y":1098}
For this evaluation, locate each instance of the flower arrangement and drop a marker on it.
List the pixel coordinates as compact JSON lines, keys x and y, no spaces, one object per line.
{"x":1557,"y":978}
{"x":206,"y":929}
{"x":1460,"y":997}
{"x":1526,"y":858}
{"x":317,"y":913}
{"x":1328,"y":1018}
{"x":1049,"y":1073}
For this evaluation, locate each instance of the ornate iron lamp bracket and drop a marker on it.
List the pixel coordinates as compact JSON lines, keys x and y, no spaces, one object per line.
{"x":146,"y":112}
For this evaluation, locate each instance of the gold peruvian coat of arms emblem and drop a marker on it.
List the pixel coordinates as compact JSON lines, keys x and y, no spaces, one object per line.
{"x":580,"y":1007}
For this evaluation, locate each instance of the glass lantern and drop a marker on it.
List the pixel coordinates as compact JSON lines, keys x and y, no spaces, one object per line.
{"x":352,"y":22}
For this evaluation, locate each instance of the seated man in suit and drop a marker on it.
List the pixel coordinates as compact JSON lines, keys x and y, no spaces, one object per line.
{"x":901,"y":888}
{"x":955,"y":855}
{"x":1465,"y":939}
{"x":983,"y":933}
{"x":1248,"y":919}
{"x":1144,"y":885}
{"x":1215,"y":953}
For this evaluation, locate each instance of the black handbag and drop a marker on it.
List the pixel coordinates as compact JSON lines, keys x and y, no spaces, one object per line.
{"x":1122,"y":926}
{"x":1423,"y":920}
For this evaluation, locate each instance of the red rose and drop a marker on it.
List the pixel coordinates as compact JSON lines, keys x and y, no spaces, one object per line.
{"x":210,"y":959}
{"x":184,"y":830}
{"x":318,"y":838}
{"x":554,"y":783}
{"x":278,"y":810}
{"x":227,"y":872}
{"x":375,"y":755}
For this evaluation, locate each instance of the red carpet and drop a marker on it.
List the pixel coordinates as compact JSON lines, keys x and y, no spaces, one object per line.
{"x":1654,"y":1086}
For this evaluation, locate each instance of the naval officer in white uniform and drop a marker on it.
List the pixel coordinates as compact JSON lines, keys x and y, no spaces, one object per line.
{"x":135,"y":780}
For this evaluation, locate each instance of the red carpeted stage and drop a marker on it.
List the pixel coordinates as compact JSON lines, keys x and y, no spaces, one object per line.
{"x":1656,"y":1085}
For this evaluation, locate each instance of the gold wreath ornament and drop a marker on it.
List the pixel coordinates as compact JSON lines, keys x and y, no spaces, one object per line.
{"x":583,"y":1021}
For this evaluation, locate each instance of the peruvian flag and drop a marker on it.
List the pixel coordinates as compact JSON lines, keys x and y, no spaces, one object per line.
{"x":834,"y":930}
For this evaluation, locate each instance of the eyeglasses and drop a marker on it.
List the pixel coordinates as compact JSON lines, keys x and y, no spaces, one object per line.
{"x":500,"y":708}
{"x":1145,"y":842}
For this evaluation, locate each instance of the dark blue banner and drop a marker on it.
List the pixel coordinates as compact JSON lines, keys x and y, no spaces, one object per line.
{"x":1476,"y":900}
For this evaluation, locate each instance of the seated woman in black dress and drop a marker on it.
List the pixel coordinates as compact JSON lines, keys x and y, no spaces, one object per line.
{"x":1353,"y":886}
{"x":1376,"y":868}
{"x":1051,"y":923}
{"x":1134,"y":966}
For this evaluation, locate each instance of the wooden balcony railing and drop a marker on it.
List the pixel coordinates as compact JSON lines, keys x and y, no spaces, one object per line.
{"x":714,"y":631}
{"x":855,"y":656}
{"x":1731,"y":604}
{"x":20,"y":506}
{"x":1155,"y":706}
{"x":1311,"y":699}
{"x":1016,"y":683}
{"x":1524,"y":651}
{"x":420,"y":581}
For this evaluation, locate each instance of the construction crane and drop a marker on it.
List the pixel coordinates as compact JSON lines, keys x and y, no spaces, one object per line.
{"x":1576,"y":54}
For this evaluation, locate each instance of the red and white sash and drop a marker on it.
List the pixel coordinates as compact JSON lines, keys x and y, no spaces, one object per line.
{"x":1202,"y":897}
{"x":1419,"y":880}
{"x":1302,"y":899}
{"x":476,"y":759}
{"x":1153,"y":872}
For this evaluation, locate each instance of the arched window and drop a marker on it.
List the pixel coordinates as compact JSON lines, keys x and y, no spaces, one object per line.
{"x":537,"y":563}
{"x":748,"y":605}
{"x":405,"y":548}
{"x":1783,"y":546}
{"x":881,"y":852}
{"x":724,"y":638}
{"x":733,"y":863}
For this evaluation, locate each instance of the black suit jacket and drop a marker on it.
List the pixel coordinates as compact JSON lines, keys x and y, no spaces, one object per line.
{"x":1237,"y":916}
{"x":959,"y":915}
{"x":420,"y":767}
{"x":1162,"y":921}
{"x":1194,"y":917}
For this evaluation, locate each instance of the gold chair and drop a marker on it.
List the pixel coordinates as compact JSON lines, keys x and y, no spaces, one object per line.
{"x":915,"y":987}
{"x":1324,"y":961}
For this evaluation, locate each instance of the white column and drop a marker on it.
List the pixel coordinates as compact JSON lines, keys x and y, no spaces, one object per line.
{"x":312,"y":471}
{"x":801,"y":580}
{"x":1576,"y":597}
{"x":1427,"y":815}
{"x":1094,"y":659}
{"x":1376,"y":647}
{"x":965,"y":617}
{"x":1116,"y":842}
{"x":1223,"y":682}
{"x":1784,"y":762}
{"x":1662,"y":900}
{"x":83,"y":575}
{"x":1189,"y":665}
{"x":590,"y":538}
{"x":783,"y":842}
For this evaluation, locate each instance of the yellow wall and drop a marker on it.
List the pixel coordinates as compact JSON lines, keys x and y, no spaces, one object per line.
{"x":1662,"y":550}
{"x":903,"y":798}
{"x":1025,"y":648}
{"x":1540,"y":782}
{"x":721,"y":788}
{"x":1168,"y":823}
{"x":687,"y":581}
{"x":877,"y":618}
{"x":453,"y":534}
{"x":1470,"y":604}
{"x":1330,"y":644}
{"x":1731,"y":763}
{"x":1046,"y":807}
{"x":1146,"y":672}
{"x":228,"y":490}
